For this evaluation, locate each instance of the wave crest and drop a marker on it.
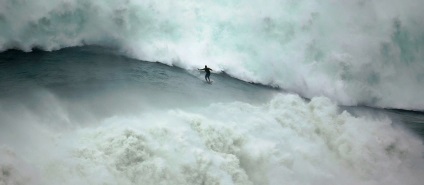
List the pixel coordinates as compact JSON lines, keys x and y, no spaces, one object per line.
{"x":354,"y":52}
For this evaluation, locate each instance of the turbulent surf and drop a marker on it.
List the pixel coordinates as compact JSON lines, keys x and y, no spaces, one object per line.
{"x":356,"y":52}
{"x":304,"y":92}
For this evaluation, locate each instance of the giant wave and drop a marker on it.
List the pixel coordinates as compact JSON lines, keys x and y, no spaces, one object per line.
{"x":356,"y":52}
{"x":87,"y":115}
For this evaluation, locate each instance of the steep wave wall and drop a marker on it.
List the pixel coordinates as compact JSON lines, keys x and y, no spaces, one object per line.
{"x":355,"y":52}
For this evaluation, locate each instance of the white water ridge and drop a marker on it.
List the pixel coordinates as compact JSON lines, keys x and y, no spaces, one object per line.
{"x":286,"y":140}
{"x":354,"y":52}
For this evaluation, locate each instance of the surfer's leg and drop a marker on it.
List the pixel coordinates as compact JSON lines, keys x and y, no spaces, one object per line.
{"x":207,"y":78}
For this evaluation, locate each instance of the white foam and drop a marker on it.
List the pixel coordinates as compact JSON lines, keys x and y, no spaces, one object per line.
{"x":286,"y":140}
{"x":354,"y":52}
{"x":14,"y":170}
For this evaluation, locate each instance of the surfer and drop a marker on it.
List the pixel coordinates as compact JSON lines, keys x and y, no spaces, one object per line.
{"x":208,"y":73}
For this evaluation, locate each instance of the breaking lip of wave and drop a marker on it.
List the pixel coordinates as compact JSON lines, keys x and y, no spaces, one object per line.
{"x":356,"y":52}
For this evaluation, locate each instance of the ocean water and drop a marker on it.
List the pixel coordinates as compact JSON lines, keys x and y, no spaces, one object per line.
{"x":303,"y":92}
{"x":88,"y":115}
{"x":356,"y":53}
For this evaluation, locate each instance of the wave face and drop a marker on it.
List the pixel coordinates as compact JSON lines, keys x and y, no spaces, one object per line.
{"x":356,"y":52}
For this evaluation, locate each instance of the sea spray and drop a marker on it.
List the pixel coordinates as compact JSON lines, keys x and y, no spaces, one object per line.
{"x":356,"y":52}
{"x":286,"y":140}
{"x":13,"y":170}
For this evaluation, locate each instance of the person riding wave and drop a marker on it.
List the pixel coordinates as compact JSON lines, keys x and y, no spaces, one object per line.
{"x":208,"y":73}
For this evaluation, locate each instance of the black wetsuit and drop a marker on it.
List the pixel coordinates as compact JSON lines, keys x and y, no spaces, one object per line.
{"x":208,"y":73}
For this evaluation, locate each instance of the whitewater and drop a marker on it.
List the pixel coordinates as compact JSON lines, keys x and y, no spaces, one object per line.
{"x":304,"y":92}
{"x":357,"y":52}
